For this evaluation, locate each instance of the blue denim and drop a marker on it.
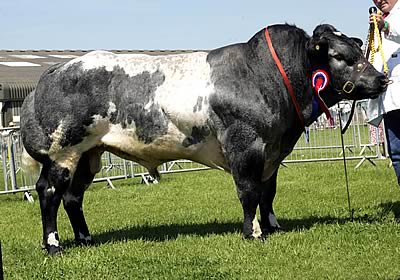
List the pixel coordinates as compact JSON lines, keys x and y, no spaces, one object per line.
{"x":392,"y":129}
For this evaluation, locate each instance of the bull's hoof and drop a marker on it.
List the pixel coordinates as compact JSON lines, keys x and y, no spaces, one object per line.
{"x":248,"y":237}
{"x":269,"y":231}
{"x":252,"y":236}
{"x":275,"y":229}
{"x":272,"y":230}
{"x":54,"y":250}
{"x":84,"y":242}
{"x":264,"y":237}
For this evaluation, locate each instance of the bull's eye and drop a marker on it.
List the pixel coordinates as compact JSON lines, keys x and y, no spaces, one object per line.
{"x":338,"y":57}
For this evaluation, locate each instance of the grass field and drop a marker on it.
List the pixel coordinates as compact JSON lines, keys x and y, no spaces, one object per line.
{"x":188,"y":227}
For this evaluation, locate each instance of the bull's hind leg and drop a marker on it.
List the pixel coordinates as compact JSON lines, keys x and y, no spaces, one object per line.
{"x":269,"y":224}
{"x":51,"y":185}
{"x":89,"y":164}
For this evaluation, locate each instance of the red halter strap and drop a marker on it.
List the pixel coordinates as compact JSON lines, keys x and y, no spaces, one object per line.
{"x":284,"y":76}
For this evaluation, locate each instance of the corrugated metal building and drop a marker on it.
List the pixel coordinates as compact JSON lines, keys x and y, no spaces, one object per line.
{"x":20,"y":71}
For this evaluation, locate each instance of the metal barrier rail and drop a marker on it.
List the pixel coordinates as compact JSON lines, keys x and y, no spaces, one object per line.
{"x":324,"y":144}
{"x":113,"y":167}
{"x":10,"y":154}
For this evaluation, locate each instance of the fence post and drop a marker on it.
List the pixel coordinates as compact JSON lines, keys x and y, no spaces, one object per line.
{"x":12,"y":161}
{"x":4,"y":156}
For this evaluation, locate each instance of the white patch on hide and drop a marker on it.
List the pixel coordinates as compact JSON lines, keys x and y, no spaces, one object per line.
{"x":187,"y":80}
{"x":210,"y":153}
{"x":56,"y":138}
{"x":111,"y":109}
{"x":120,"y":138}
{"x":155,"y":181}
{"x":52,"y":240}
{"x":68,"y":157}
{"x":164,"y":147}
{"x":337,"y":33}
{"x":256,"y":228}
{"x":51,"y":190}
{"x":148,"y":106}
{"x":187,"y":77}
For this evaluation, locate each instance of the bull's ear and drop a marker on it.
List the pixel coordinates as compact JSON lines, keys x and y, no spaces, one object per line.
{"x":322,"y":28}
{"x":357,"y":40}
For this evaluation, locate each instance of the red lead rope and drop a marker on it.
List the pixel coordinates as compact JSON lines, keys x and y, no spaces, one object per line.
{"x":284,"y":76}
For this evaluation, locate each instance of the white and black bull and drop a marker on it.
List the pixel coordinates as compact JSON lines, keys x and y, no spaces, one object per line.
{"x":228,"y":109}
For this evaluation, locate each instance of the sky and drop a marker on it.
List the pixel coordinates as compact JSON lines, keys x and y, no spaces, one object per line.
{"x":164,"y":25}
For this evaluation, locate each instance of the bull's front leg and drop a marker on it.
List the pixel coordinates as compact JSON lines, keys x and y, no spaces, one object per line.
{"x":245,"y":153}
{"x":249,"y":196}
{"x":50,"y":187}
{"x":269,"y":224}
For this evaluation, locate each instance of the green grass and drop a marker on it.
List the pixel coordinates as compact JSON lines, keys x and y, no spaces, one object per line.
{"x":189,"y":227}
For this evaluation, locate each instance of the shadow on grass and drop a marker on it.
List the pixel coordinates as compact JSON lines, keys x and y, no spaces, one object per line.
{"x":168,"y":232}
{"x":161,"y":233}
{"x":393,"y":207}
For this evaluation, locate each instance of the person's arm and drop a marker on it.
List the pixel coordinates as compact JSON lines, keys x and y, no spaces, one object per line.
{"x":390,"y":27}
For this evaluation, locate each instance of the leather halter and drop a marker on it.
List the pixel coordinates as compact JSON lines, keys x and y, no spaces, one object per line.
{"x":286,"y":80}
{"x":349,"y":86}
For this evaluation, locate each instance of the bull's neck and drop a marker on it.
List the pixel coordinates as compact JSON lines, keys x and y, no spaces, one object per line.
{"x":329,"y":98}
{"x":290,"y":44}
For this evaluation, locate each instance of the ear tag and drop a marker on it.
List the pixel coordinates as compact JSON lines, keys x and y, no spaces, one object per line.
{"x":317,"y":47}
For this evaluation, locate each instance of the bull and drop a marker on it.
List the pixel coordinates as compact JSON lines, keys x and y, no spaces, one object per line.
{"x":228,"y":108}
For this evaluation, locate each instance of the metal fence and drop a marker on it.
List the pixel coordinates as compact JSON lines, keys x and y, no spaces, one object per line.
{"x":10,"y":155}
{"x":113,"y":168}
{"x":362,"y":142}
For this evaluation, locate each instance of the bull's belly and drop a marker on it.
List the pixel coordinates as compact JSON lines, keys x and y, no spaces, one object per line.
{"x":168,"y":147}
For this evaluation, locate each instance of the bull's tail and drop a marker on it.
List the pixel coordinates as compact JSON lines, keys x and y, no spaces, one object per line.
{"x":30,"y":166}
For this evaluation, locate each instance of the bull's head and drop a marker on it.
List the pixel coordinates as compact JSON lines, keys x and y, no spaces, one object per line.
{"x":351,"y":75}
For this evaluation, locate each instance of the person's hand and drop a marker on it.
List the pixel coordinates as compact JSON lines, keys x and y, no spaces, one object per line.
{"x":379,"y":19}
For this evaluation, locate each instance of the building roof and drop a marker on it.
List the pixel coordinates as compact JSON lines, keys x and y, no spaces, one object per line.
{"x":26,"y":66}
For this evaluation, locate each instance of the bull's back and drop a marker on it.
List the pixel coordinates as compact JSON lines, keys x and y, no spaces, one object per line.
{"x":146,"y":108}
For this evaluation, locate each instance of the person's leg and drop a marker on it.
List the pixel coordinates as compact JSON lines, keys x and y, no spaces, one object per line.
{"x":392,"y":129}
